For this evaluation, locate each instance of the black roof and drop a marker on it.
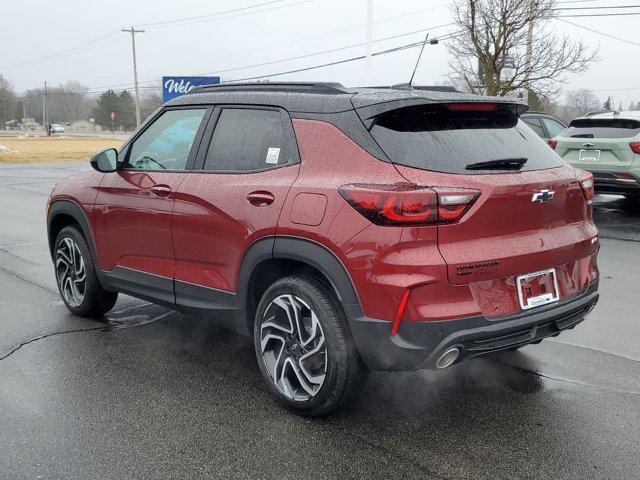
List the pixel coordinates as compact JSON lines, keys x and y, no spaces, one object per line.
{"x":327,"y":97}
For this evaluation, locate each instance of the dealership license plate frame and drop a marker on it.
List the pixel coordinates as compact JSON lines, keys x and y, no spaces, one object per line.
{"x":539,"y":300}
{"x":589,"y":155}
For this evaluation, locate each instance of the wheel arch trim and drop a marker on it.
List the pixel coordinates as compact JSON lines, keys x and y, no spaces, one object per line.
{"x":305,"y":251}
{"x":72,"y":209}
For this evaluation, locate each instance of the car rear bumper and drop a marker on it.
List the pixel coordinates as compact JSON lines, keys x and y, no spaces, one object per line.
{"x":616,"y":182}
{"x":418,"y":345}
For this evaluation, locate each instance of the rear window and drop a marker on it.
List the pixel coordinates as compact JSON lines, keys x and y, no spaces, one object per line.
{"x":603,"y":128}
{"x":438,"y":139}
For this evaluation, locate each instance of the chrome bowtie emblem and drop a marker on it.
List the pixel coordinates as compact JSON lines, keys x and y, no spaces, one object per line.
{"x":542,"y":196}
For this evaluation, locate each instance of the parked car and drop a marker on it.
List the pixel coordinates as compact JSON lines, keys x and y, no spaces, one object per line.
{"x":545,"y":125}
{"x":57,"y":128}
{"x":344,"y":230}
{"x":608,"y":146}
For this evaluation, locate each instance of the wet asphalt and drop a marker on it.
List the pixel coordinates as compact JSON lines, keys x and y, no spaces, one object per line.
{"x":150,"y":393}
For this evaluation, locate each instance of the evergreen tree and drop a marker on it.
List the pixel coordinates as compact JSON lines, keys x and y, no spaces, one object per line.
{"x":607,"y":105}
{"x":121,"y":104}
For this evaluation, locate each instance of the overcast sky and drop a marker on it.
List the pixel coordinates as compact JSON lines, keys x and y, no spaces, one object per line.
{"x":33,"y":29}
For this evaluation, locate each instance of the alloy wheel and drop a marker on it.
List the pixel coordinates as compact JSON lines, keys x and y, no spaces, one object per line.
{"x":293,"y":347}
{"x":70,"y":272}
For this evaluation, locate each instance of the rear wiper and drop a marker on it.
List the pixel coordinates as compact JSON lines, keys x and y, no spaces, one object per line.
{"x":583,"y":135}
{"x":500,"y":164}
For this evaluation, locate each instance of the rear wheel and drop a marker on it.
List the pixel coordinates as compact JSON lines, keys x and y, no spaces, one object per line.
{"x":76,"y":276}
{"x":304,"y":349}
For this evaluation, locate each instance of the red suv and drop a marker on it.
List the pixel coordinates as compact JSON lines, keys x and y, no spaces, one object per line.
{"x":345,"y":229}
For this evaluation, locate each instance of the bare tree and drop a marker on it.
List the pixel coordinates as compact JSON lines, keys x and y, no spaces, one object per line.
{"x":8,"y":101}
{"x":65,"y":103}
{"x":150,"y":100}
{"x":581,"y":101}
{"x":489,"y":54}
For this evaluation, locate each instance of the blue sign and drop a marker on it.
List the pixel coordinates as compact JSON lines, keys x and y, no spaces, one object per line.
{"x":173,"y":87}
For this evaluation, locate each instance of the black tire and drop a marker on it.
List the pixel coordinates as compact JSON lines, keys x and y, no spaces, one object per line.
{"x":96,"y":301}
{"x":345,"y":374}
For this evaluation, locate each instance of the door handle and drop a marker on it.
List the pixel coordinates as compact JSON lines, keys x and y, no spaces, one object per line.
{"x":161,"y":190}
{"x":260,"y":199}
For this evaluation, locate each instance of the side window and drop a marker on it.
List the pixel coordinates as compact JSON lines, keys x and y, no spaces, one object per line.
{"x":166,"y":143}
{"x":535,"y":125}
{"x":246,"y":140}
{"x":554,"y":128}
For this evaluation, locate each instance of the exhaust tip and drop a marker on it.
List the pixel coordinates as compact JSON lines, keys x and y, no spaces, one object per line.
{"x":448,"y":357}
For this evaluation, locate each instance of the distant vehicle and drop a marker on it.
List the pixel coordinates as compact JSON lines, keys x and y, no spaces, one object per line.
{"x":607,"y":145}
{"x":57,"y":128}
{"x":343,"y":229}
{"x":543,"y":124}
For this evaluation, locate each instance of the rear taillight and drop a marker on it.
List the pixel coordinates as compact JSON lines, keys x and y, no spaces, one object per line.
{"x":408,"y":204}
{"x":552,"y":143}
{"x":586,"y":182}
{"x":472,"y":107}
{"x":635,"y":146}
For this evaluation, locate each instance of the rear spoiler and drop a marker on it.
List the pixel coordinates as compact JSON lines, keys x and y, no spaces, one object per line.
{"x":369,"y":113}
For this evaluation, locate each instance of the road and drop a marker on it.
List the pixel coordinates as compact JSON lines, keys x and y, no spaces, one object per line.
{"x":33,"y":133}
{"x":150,"y":393}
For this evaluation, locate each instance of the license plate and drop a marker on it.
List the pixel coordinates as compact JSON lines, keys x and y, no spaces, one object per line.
{"x":590,"y":155}
{"x":537,"y":288}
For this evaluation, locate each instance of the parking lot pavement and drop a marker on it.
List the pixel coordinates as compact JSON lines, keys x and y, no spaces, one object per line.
{"x":149,"y":393}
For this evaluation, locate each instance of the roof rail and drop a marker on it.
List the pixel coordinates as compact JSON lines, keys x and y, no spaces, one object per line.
{"x":406,"y":86}
{"x":328,"y":88}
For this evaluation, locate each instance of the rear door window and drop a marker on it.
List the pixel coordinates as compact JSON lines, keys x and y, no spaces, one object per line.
{"x":433,"y":137}
{"x":247,"y":140}
{"x":603,"y":128}
{"x":554,"y":127}
{"x":535,"y":125}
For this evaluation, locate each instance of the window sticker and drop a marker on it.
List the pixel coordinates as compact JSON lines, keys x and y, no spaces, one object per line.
{"x":273,"y":154}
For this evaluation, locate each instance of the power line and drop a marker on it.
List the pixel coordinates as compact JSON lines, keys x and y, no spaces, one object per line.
{"x":255,"y":5}
{"x":598,"y":8}
{"x":97,"y":42}
{"x":333,"y":50}
{"x":346,"y":60}
{"x":278,"y":7}
{"x":90,"y":45}
{"x":311,"y":37}
{"x":313,"y":54}
{"x":276,"y":74}
{"x":599,"y":15}
{"x":600,"y":33}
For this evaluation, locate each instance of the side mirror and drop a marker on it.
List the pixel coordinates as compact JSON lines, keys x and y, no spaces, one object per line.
{"x":106,"y":161}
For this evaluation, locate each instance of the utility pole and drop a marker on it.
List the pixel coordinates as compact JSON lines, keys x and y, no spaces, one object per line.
{"x":528,"y":53}
{"x":368,"y":67}
{"x":44,"y":109}
{"x":133,"y":32}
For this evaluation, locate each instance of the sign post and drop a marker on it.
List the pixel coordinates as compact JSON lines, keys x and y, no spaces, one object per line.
{"x":113,"y":125}
{"x":173,"y":87}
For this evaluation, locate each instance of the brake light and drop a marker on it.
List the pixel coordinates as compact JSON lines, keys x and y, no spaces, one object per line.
{"x":409,"y":204}
{"x":472,"y":107}
{"x":552,"y":143}
{"x":635,"y":146}
{"x":586,"y":182}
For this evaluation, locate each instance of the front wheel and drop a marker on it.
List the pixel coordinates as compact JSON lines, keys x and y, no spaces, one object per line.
{"x":304,"y":348}
{"x":76,"y":276}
